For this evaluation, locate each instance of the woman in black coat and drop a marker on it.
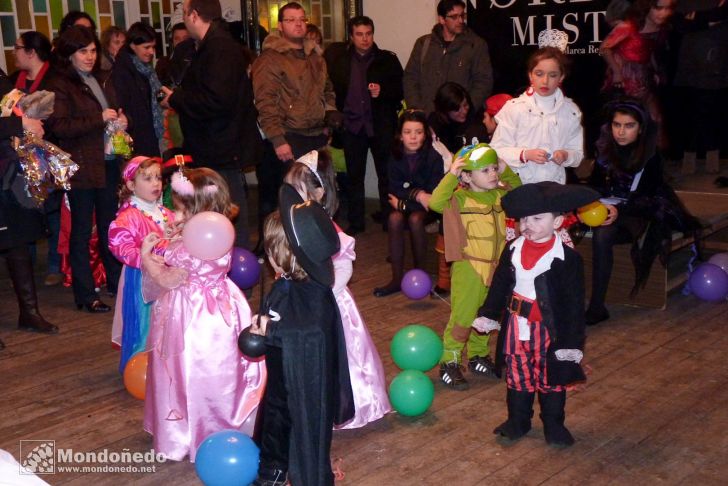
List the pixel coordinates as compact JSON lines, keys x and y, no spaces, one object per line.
{"x":137,"y":86}
{"x":643,"y":208}
{"x":84,"y":103}
{"x":19,"y":225}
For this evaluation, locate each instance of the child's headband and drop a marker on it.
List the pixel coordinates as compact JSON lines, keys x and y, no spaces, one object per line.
{"x":131,"y":168}
{"x":310,"y":160}
{"x":184,"y":187}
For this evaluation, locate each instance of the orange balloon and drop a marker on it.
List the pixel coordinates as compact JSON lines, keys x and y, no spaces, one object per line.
{"x":135,"y":375}
{"x":593,"y":214}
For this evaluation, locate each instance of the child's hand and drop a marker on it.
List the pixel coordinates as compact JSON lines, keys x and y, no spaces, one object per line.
{"x":149,"y":242}
{"x":259,"y":325}
{"x":393,"y":201}
{"x":559,"y":156}
{"x":539,"y":156}
{"x":441,"y":149}
{"x":176,"y":228}
{"x":612,"y":214}
{"x":457,"y":166}
{"x":424,"y":199}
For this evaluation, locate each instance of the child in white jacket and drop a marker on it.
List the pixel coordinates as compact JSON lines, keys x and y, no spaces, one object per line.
{"x":539,"y":133}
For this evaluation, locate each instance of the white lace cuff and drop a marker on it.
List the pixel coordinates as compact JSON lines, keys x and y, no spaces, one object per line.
{"x":485,"y":325}
{"x":574,"y":355}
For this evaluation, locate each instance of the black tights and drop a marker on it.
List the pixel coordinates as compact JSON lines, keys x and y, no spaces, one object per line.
{"x":623,"y":230}
{"x":397,"y":223}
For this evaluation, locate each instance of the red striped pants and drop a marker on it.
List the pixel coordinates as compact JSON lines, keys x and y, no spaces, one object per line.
{"x":526,"y":360}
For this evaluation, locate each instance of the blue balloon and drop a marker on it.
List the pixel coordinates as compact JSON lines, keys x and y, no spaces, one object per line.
{"x":244,"y":268}
{"x":227,"y":458}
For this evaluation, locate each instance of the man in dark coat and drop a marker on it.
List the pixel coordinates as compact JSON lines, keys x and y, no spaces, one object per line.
{"x":368,"y":85}
{"x":19,"y":225}
{"x":215,"y":105}
{"x":451,"y":52}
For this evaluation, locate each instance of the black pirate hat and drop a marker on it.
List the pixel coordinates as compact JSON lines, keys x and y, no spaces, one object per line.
{"x":311,"y":234}
{"x":547,"y":197}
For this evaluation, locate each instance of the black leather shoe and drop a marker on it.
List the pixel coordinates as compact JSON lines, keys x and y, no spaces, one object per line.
{"x":385,"y":291}
{"x":95,"y":307}
{"x":592,"y":317}
{"x":439,"y":291}
{"x":354,"y":230}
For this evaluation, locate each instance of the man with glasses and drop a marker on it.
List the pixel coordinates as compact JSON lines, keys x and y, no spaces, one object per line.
{"x":215,"y":105}
{"x":451,"y":52}
{"x":295,"y":101}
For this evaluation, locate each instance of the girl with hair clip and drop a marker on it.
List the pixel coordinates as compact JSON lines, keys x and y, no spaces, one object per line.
{"x":539,"y":133}
{"x":415,"y":169}
{"x":197,"y":381}
{"x":643,"y":208}
{"x":140,"y":214}
{"x":313,"y":178}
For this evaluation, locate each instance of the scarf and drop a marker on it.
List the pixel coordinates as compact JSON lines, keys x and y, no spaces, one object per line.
{"x":23,"y":76}
{"x":148,"y":72}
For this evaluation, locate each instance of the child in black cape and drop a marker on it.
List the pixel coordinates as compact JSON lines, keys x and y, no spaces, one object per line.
{"x":540,"y":284}
{"x":308,"y":388}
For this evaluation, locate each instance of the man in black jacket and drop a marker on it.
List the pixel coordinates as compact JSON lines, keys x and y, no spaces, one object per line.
{"x":215,"y":105}
{"x":368,"y":85}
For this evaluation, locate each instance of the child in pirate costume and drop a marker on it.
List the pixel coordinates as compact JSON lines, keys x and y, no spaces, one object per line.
{"x":308,"y":389}
{"x":474,"y":229}
{"x":540,"y":283}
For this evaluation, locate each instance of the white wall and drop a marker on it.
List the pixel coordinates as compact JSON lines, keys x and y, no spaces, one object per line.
{"x":397,"y":24}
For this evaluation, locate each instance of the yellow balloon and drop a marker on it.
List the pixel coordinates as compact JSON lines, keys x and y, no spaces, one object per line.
{"x":593,"y":214}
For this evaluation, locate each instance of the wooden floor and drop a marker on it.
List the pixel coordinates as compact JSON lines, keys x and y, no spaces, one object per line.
{"x":655,"y":409}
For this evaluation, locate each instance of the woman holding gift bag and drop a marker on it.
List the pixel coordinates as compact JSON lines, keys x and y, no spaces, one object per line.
{"x":84,"y":107}
{"x":19,"y":225}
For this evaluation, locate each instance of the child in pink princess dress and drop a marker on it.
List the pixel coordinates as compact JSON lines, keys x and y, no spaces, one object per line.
{"x":141,"y":213}
{"x":198,"y":383}
{"x":313,"y":177}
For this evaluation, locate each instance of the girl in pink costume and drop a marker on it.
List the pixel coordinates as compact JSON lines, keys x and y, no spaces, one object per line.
{"x":141,"y":213}
{"x":198,"y":383}
{"x":313,"y":177}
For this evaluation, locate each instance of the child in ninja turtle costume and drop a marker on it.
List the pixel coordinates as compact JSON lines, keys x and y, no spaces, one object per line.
{"x":469,"y":198}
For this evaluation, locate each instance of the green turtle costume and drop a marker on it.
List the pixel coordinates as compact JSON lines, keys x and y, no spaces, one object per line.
{"x":474,"y":227}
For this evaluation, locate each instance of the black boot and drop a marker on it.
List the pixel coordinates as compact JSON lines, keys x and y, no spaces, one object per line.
{"x":520,"y":411}
{"x":20,"y":268}
{"x":552,"y":415}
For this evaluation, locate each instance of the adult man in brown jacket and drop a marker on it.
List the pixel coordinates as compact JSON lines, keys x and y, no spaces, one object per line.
{"x":295,"y":102}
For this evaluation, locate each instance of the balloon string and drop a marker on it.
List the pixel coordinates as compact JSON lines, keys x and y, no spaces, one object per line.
{"x":440,"y":297}
{"x":686,"y":289}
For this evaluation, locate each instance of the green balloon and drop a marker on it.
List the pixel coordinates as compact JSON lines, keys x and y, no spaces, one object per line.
{"x":411,"y":393}
{"x":416,"y":347}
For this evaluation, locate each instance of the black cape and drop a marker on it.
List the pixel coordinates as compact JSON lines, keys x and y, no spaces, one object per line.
{"x":316,"y":372}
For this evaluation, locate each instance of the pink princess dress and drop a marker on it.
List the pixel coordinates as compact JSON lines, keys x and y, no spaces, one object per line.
{"x":134,"y":220}
{"x":368,"y":384}
{"x":198,"y":382}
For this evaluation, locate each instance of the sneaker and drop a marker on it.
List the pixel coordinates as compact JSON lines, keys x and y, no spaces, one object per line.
{"x":451,"y":375}
{"x":482,"y":365}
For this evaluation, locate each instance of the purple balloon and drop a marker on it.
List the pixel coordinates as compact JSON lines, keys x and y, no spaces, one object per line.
{"x":709,"y":282}
{"x":244,"y":268}
{"x":416,"y":284}
{"x":720,"y":259}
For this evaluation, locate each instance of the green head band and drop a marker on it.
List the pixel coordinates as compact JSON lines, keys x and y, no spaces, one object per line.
{"x":478,"y":156}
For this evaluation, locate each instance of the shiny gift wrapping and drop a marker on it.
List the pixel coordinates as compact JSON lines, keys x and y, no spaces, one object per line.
{"x":45,"y":167}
